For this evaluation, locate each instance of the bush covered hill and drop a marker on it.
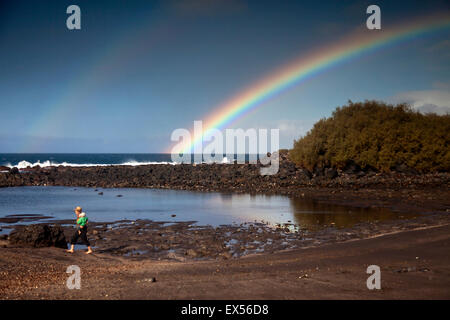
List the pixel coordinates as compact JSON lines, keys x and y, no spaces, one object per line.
{"x":376,"y":135}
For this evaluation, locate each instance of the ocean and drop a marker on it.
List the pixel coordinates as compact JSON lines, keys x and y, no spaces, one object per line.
{"x":23,"y":160}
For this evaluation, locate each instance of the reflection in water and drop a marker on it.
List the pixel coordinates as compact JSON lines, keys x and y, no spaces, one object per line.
{"x":226,"y":196}
{"x":309,"y":214}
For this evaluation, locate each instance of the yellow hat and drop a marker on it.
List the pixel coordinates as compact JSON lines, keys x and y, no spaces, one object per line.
{"x":78,"y":209}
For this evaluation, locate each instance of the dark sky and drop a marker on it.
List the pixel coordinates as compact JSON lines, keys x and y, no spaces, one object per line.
{"x":137,"y":70}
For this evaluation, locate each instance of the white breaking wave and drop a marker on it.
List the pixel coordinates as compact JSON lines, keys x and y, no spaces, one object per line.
{"x":48,"y":163}
{"x":25,"y":164}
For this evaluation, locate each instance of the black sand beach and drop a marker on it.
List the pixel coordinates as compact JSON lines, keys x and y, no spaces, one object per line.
{"x":414,"y":265}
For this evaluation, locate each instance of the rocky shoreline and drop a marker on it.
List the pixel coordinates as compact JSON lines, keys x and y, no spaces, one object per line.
{"x":220,"y":177}
{"x":184,"y":241}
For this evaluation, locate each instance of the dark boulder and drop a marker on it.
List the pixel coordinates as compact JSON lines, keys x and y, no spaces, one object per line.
{"x":330,"y":173}
{"x":369,"y":169}
{"x":403,"y":168}
{"x":39,"y":236}
{"x":14,"y":170}
{"x":351,"y":168}
{"x":319,"y":171}
{"x":306,"y":173}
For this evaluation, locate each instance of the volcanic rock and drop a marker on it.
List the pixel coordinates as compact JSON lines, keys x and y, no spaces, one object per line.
{"x":14,"y":170}
{"x":39,"y":236}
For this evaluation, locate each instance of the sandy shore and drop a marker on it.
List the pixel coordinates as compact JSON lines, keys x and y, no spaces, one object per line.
{"x":414,"y":263}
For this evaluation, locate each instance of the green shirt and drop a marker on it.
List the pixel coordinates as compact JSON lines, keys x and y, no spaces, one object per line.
{"x":82,"y":221}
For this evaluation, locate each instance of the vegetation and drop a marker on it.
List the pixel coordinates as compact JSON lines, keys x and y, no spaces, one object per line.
{"x":378,"y":135}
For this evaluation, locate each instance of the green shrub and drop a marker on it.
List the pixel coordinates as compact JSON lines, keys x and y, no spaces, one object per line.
{"x":378,"y":135}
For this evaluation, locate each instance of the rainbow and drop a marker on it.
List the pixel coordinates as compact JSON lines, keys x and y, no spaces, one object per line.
{"x":313,"y":63}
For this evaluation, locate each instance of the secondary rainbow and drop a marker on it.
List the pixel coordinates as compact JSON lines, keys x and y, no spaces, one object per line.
{"x":309,"y":65}
{"x":107,"y":64}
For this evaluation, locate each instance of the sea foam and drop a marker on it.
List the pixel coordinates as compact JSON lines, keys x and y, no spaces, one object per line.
{"x":25,"y":164}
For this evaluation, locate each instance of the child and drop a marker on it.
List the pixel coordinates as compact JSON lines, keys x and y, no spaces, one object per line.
{"x":81,"y":231}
